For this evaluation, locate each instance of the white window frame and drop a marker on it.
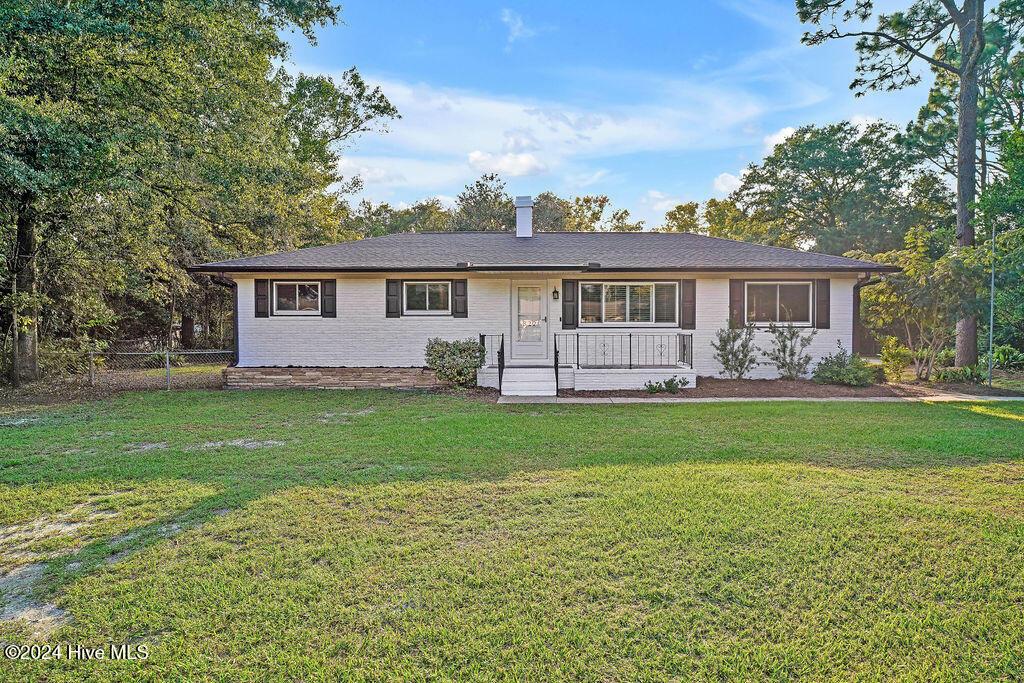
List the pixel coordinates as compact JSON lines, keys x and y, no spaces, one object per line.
{"x":428,"y":311}
{"x":626,"y":322}
{"x":319,"y":297}
{"x":778,"y":302}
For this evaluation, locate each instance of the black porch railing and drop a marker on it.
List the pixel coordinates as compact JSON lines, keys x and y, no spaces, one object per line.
{"x":631,"y":350}
{"x":494,"y":353}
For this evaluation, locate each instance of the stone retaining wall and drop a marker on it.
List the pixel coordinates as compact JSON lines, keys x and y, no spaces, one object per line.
{"x":329,"y":378}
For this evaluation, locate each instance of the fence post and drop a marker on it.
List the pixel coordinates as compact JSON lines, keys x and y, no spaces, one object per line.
{"x":167,"y":366}
{"x":92,"y":369}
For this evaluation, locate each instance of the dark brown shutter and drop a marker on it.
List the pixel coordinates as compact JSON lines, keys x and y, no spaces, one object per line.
{"x":262,"y":298}
{"x":460,"y":302}
{"x":736,"y":303}
{"x":328,"y":299}
{"x":688,"y":304}
{"x":393,"y":299}
{"x":822,"y":303}
{"x":570,"y":304}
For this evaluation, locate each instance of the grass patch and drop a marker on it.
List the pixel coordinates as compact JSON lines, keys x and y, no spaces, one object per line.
{"x":383,"y":535}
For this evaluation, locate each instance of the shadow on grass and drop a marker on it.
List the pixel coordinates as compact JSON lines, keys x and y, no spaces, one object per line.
{"x":254,"y":444}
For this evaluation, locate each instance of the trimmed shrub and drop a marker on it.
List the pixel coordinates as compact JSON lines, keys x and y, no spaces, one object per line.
{"x":735,"y":351}
{"x":671,"y":385}
{"x":969,"y":374}
{"x":455,"y":362}
{"x":788,"y":353}
{"x":843,"y":367}
{"x":895,"y":359}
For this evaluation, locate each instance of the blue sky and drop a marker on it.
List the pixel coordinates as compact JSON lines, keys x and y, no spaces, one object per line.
{"x":650,"y":103}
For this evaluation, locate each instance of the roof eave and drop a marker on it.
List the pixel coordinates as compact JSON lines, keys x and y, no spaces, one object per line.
{"x":225,"y":268}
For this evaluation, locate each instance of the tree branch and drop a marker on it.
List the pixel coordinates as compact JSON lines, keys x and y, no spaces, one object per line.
{"x":939,"y":64}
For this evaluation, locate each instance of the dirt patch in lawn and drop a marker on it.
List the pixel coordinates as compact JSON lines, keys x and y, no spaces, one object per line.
{"x":714,"y":387}
{"x":247,"y":444}
{"x":31,"y":541}
{"x":16,"y":590}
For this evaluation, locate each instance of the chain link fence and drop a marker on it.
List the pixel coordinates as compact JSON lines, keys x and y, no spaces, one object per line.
{"x":95,"y":373}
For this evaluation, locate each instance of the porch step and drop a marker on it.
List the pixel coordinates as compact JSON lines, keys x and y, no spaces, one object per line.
{"x":522,"y":381}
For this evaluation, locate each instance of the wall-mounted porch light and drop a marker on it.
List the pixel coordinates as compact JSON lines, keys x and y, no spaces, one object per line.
{"x":554,"y":294}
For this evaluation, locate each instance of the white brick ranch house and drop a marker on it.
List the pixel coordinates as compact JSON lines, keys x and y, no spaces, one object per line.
{"x":585,"y":310}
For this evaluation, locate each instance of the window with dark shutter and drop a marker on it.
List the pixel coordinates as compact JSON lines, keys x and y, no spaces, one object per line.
{"x":570,"y":305}
{"x":262,"y":297}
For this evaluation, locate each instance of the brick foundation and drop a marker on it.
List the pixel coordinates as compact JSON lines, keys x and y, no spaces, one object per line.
{"x":329,"y":378}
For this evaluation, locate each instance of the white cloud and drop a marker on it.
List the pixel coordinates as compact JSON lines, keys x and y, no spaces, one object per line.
{"x":520,"y":140}
{"x":510,"y":164}
{"x":389,"y":172}
{"x":586,"y":178}
{"x":659,"y":201}
{"x":777,"y":138}
{"x":683,"y":115}
{"x":517,"y":28}
{"x":862,"y":121}
{"x":726,"y":183}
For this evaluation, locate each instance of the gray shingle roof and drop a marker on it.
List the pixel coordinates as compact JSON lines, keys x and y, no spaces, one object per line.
{"x":595,"y":252}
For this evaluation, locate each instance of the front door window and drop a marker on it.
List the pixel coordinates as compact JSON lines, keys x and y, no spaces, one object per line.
{"x":529,"y":329}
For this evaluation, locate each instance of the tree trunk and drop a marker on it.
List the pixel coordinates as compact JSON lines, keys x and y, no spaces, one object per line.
{"x":26,"y":336}
{"x":188,"y":331}
{"x":966,"y":169}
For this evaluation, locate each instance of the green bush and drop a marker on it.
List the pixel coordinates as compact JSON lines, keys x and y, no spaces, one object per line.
{"x":1005,"y":357}
{"x":843,"y":367}
{"x":789,"y":350}
{"x":735,"y":351}
{"x":455,"y":362}
{"x":895,"y":359}
{"x":944,"y":358}
{"x":969,"y":374}
{"x":159,"y":359}
{"x":63,"y":357}
{"x":671,"y":385}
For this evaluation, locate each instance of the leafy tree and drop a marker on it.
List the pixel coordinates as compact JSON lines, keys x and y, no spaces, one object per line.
{"x":1002,"y":210}
{"x":835,"y":188}
{"x":484,"y":205}
{"x":921,"y":303}
{"x":621,"y":221}
{"x":1000,"y":100}
{"x":550,"y":212}
{"x":585,"y":213}
{"x":939,"y":33}
{"x":682,"y":218}
{"x":725,"y":218}
{"x":375,"y":220}
{"x":164,"y":133}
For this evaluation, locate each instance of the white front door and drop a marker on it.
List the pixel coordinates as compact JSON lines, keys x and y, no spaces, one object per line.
{"x":529,"y":321}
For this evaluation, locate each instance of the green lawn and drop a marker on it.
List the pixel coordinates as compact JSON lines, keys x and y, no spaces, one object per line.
{"x":381,"y":536}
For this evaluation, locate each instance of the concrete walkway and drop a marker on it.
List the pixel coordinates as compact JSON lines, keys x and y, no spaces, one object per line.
{"x":935,"y":398}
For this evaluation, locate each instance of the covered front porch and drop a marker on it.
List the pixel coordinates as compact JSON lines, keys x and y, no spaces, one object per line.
{"x":589,"y":362}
